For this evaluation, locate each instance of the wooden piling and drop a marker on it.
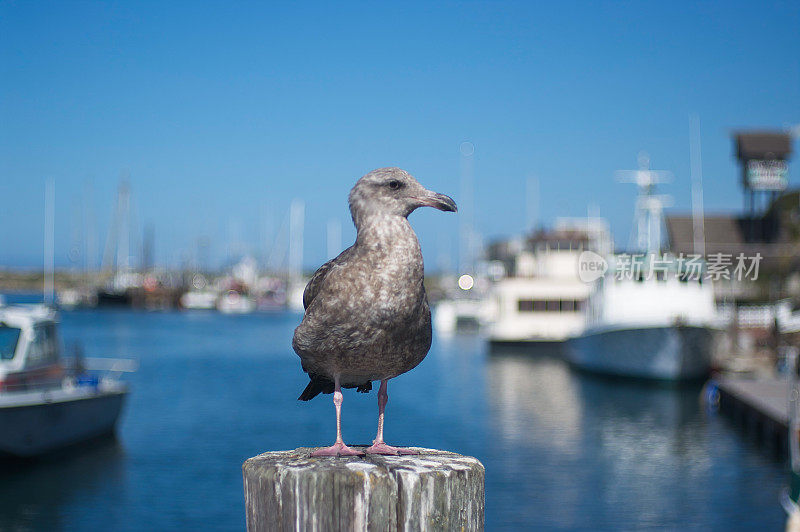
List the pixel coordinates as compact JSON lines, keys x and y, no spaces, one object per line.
{"x":434,"y":490}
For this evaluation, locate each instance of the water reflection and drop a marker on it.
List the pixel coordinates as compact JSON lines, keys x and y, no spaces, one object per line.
{"x":588,"y":452}
{"x":633,"y":419}
{"x":37,"y":494}
{"x":531,"y":398}
{"x":647,"y":440}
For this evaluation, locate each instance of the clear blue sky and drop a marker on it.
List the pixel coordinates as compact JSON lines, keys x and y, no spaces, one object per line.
{"x":224,"y":112}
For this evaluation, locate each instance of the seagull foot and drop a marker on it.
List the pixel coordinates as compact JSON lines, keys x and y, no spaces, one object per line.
{"x":337,"y":449}
{"x":382,"y":448}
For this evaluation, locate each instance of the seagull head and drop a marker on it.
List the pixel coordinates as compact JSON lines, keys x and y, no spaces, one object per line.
{"x":392,"y":191}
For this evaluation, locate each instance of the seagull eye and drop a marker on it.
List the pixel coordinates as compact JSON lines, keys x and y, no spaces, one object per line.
{"x":394,"y":184}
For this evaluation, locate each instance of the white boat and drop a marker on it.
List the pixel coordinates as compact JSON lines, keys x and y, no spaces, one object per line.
{"x":45,"y":405}
{"x":294,"y":297}
{"x":71,"y":298}
{"x":462,"y":314}
{"x":655,"y":328}
{"x":233,"y":302}
{"x":533,"y":310}
{"x":543,"y":298}
{"x":652,"y":316}
{"x":199,"y":300}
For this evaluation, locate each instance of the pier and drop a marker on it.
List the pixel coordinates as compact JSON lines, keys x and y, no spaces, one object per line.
{"x":759,"y":406}
{"x":434,"y":490}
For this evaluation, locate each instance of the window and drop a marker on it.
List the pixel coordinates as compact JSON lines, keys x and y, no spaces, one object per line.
{"x":9,"y":336}
{"x":548,"y":305}
{"x":525,"y":305}
{"x":44,"y":347}
{"x":51,"y":343}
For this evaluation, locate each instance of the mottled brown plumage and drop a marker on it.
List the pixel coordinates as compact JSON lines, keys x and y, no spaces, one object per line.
{"x":366,"y":312}
{"x":367,"y":316}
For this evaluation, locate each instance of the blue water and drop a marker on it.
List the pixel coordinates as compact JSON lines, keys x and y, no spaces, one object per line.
{"x":562,"y":450}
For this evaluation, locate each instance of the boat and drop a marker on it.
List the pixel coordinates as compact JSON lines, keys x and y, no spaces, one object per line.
{"x":294,"y":294}
{"x":462,"y":314}
{"x":199,"y":300}
{"x":235,"y":302}
{"x":542,"y":299}
{"x":46,"y":404}
{"x":79,"y":297}
{"x":650,"y":327}
{"x":652,"y":315}
{"x":465,"y":306}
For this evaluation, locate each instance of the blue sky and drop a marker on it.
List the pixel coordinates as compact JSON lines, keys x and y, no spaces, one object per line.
{"x":223,"y":113}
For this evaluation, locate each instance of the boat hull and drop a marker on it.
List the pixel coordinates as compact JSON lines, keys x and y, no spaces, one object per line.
{"x":537,"y":348}
{"x":30,"y":428}
{"x":668,"y":353}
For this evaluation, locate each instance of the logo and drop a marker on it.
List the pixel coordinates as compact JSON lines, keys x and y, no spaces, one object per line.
{"x":591,"y":266}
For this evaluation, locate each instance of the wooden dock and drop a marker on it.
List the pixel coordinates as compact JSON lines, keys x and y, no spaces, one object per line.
{"x":760,"y":406}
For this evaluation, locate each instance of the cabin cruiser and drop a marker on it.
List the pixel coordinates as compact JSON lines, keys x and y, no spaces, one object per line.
{"x":653,"y":325}
{"x":652,"y":315}
{"x":46,"y":404}
{"x":542,"y":299}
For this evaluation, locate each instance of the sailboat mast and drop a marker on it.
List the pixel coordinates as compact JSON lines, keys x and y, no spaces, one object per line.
{"x":532,"y":203}
{"x":696,"y":169}
{"x":123,"y":250}
{"x":49,"y":242}
{"x":296,"y":222}
{"x":466,"y":227}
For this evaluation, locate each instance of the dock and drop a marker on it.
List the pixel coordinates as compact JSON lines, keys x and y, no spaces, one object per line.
{"x":759,"y":406}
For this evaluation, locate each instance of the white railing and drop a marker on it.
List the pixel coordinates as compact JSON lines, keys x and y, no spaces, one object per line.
{"x":106,"y":369}
{"x":116,"y":365}
{"x":761,"y":316}
{"x":750,"y":317}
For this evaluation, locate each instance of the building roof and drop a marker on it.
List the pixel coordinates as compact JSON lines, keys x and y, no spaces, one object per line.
{"x":732,"y":235}
{"x":763,"y":145}
{"x":719,"y":231}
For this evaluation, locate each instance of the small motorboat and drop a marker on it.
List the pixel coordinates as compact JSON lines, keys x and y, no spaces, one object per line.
{"x":235,"y":302}
{"x":199,"y":300}
{"x":45,"y":403}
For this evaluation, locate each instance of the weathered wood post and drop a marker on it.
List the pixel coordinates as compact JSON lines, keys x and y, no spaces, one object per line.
{"x":434,"y":490}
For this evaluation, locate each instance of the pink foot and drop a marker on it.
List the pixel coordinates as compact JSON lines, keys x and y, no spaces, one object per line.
{"x":337,"y":449}
{"x":382,"y":448}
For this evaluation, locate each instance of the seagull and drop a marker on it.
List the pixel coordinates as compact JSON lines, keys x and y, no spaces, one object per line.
{"x":366,"y":313}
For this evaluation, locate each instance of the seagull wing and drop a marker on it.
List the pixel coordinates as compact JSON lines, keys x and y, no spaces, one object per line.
{"x":315,"y":284}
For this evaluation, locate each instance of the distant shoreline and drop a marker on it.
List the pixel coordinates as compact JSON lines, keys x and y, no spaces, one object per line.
{"x":33,"y":281}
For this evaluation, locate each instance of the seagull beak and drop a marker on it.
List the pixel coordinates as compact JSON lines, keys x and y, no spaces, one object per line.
{"x":439,"y":201}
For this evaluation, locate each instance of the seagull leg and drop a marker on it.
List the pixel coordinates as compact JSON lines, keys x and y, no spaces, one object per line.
{"x":338,"y":448}
{"x":378,"y":445}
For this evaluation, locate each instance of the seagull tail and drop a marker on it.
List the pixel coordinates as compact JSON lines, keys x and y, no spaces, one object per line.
{"x":316,"y":387}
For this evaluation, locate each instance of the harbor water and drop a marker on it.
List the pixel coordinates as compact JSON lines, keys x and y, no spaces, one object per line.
{"x":562,"y":450}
